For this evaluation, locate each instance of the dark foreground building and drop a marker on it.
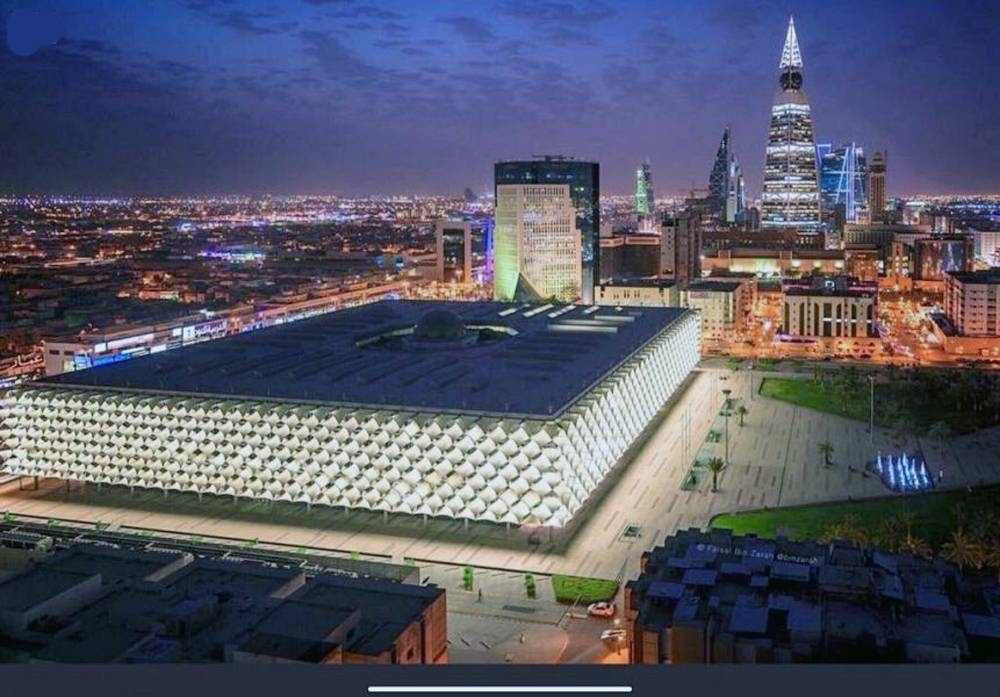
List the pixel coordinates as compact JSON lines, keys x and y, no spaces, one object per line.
{"x":101,"y":603}
{"x":715,"y":597}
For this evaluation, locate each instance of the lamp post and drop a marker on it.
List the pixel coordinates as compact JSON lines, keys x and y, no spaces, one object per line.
{"x":871,"y":409}
{"x":725,"y":411}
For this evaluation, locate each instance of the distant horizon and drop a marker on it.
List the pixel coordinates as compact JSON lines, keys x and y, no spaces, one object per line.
{"x":456,"y":195}
{"x":370,"y":98}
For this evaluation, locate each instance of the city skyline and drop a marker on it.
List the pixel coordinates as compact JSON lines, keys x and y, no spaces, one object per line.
{"x":360,"y":98}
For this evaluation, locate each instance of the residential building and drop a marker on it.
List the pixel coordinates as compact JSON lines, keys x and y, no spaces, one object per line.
{"x":972,"y":302}
{"x":724,"y":306}
{"x":718,"y":597}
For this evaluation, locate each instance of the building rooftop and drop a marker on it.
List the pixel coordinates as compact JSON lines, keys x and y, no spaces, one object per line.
{"x":984,"y":276}
{"x":825,"y":602}
{"x":715,"y":286}
{"x":24,"y":591}
{"x":525,"y":360}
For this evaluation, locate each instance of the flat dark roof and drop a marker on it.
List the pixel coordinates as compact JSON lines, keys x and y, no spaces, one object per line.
{"x":715,"y":286}
{"x":983,"y":276}
{"x":537,"y":360}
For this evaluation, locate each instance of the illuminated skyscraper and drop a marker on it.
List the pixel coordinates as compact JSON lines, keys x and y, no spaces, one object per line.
{"x":844,"y":181}
{"x":583,"y":179}
{"x":645,"y":202}
{"x":876,"y":186}
{"x":536,"y":244}
{"x":791,"y":187}
{"x":726,"y":190}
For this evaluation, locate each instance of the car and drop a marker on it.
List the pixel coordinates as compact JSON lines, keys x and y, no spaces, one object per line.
{"x":613,"y":636}
{"x":602,"y":609}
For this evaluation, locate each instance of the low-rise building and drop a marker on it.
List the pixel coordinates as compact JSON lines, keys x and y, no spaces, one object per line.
{"x":103,"y":603}
{"x":970,"y":324}
{"x":637,"y":292}
{"x":830,"y":307}
{"x":716,"y":597}
{"x":724,"y":306}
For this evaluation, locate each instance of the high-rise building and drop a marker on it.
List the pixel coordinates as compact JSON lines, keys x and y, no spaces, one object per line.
{"x":791,"y":187}
{"x":680,"y":247}
{"x":536,"y":244}
{"x":843,"y":181}
{"x":583,"y":179}
{"x":454,"y":251}
{"x":726,"y":190}
{"x":876,"y":186}
{"x":645,"y":203}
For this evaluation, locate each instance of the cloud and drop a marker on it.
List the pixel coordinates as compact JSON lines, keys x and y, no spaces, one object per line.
{"x":559,"y":13}
{"x":561,"y":23}
{"x":335,"y":60}
{"x":223,"y":13}
{"x":473,"y":30}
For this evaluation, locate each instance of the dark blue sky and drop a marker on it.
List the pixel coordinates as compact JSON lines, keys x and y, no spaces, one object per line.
{"x":421,"y":96}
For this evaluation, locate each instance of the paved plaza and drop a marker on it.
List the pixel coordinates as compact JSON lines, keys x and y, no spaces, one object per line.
{"x":774,"y":461}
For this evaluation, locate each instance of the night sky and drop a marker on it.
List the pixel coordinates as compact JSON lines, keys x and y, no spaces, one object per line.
{"x":421,"y":96}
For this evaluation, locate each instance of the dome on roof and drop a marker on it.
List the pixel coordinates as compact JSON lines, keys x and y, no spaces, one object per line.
{"x":439,"y":325}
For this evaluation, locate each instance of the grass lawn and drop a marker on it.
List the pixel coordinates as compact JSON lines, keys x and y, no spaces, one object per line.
{"x":811,"y":394}
{"x":588,"y":590}
{"x":934,"y":515}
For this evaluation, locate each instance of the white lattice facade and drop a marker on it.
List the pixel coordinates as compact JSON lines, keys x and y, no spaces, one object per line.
{"x":504,"y":470}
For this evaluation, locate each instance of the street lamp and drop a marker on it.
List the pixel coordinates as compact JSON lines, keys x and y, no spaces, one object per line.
{"x":871,"y":408}
{"x":725,"y":410}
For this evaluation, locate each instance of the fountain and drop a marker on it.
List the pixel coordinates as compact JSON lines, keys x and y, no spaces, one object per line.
{"x":904,"y":473}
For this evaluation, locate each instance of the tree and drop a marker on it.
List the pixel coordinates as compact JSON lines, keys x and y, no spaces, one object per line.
{"x":848,"y":530}
{"x":742,"y":411}
{"x":962,"y":550}
{"x":991,"y":557}
{"x":826,"y":450}
{"x":916,"y":546}
{"x":716,"y":466}
{"x":939,"y":431}
{"x":890,"y":533}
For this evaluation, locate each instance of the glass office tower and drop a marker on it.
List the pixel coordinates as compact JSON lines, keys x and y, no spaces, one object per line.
{"x":583,"y":179}
{"x":844,"y":181}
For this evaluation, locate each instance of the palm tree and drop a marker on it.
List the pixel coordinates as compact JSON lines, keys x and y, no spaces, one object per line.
{"x":916,"y":546}
{"x":742,"y":411}
{"x":715,"y":466}
{"x":889,"y":533}
{"x":826,"y":450}
{"x":848,"y":529}
{"x":939,"y":431}
{"x":962,"y":550}
{"x":991,"y":556}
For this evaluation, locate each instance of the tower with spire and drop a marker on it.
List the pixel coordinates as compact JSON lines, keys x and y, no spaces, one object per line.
{"x":726,"y":192}
{"x":791,"y":186}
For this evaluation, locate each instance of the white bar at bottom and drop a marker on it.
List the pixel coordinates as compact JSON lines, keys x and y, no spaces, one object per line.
{"x":511,"y":689}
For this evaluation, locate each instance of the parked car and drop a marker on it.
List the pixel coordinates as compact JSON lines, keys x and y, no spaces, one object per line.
{"x":613,"y":636}
{"x":603,"y":609}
